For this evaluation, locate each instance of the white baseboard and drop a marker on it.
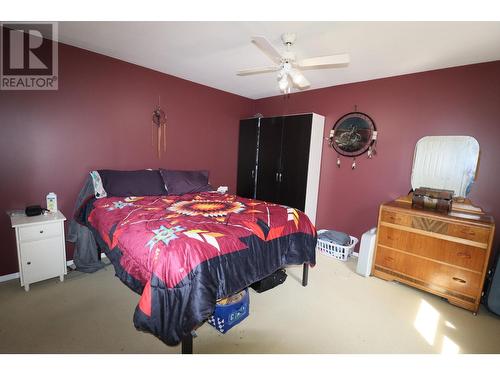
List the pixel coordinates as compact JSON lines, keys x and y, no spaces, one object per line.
{"x":12,"y":276}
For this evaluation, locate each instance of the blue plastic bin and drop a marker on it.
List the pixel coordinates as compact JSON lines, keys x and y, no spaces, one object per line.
{"x":227,"y":316}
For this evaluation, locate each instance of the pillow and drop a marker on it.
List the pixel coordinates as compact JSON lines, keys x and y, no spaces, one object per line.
{"x":99,"y":191}
{"x":183,"y":182}
{"x":132,"y":183}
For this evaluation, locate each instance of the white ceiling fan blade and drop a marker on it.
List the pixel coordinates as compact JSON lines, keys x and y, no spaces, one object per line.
{"x":246,"y":72}
{"x":298,"y":79}
{"x":263,"y":44}
{"x":324,"y":61}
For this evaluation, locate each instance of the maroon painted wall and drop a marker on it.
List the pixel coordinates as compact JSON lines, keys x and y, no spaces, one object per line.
{"x":456,"y":101}
{"x":101,"y":118}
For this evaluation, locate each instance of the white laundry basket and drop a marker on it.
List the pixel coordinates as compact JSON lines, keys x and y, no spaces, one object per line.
{"x":334,"y":250}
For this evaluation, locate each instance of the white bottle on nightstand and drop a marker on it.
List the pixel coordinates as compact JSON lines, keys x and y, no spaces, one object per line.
{"x":52,"y":202}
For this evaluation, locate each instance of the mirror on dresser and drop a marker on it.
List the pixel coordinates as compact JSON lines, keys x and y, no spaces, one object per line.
{"x":445,"y":162}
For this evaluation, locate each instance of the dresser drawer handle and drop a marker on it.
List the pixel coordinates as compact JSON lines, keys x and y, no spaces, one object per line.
{"x":464,"y":255}
{"x":41,"y":231}
{"x":28,"y":263}
{"x":389,"y":259}
{"x":462,"y":281}
{"x":467,"y":231}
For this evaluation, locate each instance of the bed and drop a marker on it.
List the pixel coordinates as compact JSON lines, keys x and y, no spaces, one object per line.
{"x":182,"y":253}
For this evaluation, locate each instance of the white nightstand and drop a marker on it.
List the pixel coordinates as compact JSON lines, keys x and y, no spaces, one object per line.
{"x":41,"y":251}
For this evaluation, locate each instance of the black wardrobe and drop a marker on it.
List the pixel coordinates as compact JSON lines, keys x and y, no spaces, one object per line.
{"x":279,"y":160}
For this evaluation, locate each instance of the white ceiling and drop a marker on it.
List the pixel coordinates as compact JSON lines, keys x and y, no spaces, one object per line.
{"x":210,"y":53}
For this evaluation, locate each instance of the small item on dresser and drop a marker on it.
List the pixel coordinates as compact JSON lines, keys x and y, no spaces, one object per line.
{"x":432,"y":199}
{"x":52,"y":202}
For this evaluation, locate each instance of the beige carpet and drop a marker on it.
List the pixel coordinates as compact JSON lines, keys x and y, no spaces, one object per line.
{"x":339,"y":312}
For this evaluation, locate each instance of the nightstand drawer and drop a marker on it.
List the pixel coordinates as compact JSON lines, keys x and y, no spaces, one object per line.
{"x":42,"y":259}
{"x":39,"y":232}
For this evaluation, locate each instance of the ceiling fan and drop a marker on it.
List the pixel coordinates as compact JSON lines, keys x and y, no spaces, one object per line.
{"x":288,"y":68}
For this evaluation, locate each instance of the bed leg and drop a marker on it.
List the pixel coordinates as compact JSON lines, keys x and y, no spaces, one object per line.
{"x":187,"y":344}
{"x":305,"y":274}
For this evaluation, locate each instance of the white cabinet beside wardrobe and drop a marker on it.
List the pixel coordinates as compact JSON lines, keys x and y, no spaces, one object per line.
{"x":41,"y":250}
{"x":279,"y":160}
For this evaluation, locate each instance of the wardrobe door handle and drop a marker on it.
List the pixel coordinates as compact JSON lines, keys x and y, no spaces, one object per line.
{"x":281,"y":176}
{"x":253,"y":173}
{"x":277,"y":177}
{"x":462,"y":281}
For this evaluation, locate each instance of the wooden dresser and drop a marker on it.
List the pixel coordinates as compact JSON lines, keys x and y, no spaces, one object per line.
{"x":444,"y":254}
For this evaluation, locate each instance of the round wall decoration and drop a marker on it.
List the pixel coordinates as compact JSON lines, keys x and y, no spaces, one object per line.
{"x":353,"y":134}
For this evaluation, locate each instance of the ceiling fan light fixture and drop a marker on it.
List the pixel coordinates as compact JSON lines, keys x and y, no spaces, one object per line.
{"x":297,"y":78}
{"x":283,"y":83}
{"x":290,"y":75}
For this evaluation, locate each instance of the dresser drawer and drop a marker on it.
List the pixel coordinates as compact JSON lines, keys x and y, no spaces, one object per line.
{"x":39,"y":232}
{"x":395,"y":218}
{"x":472,"y":233}
{"x":431,"y":273}
{"x":450,"y":252}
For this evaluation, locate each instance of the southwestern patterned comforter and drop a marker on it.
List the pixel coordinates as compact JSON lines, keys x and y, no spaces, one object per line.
{"x":182,"y":253}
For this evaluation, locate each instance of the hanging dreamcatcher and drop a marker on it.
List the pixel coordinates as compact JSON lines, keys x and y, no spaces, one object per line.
{"x":353,"y":135}
{"x":159,"y":129}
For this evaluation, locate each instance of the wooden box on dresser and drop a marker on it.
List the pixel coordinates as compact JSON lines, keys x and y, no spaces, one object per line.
{"x":444,"y":254}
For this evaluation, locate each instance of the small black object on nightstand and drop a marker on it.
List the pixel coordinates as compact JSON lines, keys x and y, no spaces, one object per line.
{"x":33,"y":210}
